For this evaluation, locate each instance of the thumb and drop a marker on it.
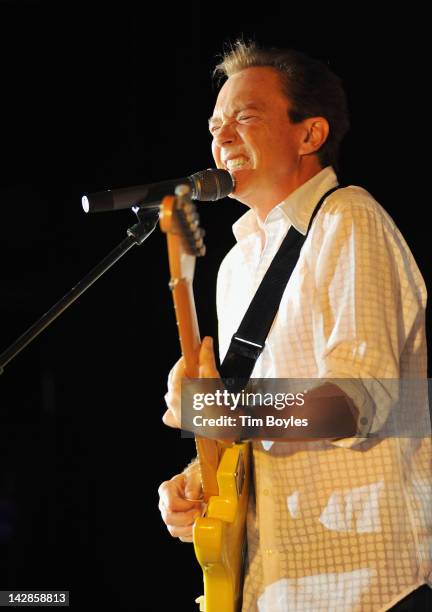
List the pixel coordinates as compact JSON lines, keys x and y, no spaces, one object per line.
{"x":207,"y":361}
{"x":193,"y":484}
{"x":193,"y":491}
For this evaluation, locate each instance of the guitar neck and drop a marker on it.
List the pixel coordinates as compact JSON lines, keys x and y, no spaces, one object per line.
{"x":187,"y":322}
{"x":208,"y":451}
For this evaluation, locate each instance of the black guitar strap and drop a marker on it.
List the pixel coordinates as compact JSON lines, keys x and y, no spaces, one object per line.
{"x":249,"y":340}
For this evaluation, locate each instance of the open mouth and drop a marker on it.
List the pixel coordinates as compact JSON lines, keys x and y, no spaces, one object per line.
{"x":236,"y":163}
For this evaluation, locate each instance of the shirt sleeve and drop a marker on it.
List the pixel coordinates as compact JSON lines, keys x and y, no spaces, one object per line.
{"x":359,"y":323}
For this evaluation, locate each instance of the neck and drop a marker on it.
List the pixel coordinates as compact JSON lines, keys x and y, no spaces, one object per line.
{"x":263,"y":206}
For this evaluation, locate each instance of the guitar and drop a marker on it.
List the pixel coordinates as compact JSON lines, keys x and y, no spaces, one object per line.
{"x":219,"y":535}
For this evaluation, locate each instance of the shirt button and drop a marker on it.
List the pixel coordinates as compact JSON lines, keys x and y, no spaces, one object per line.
{"x":266,"y":492}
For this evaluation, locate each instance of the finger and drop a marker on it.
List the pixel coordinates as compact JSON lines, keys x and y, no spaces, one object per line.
{"x":186,"y":539}
{"x":176,"y":371}
{"x":176,"y":503}
{"x":180,"y":532}
{"x":180,"y":519}
{"x":172,"y":496}
{"x":193,"y":488}
{"x":172,"y":398}
{"x":207,"y":359}
{"x":194,"y":494}
{"x":170,"y":419}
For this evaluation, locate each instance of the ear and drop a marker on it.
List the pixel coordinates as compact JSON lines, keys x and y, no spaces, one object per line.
{"x":315,"y":133}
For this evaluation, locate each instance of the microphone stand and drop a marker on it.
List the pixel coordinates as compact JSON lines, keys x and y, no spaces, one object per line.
{"x":147,"y":220}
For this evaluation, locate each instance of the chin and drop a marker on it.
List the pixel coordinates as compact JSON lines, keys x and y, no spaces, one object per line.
{"x":243,"y":189}
{"x":241,"y":197}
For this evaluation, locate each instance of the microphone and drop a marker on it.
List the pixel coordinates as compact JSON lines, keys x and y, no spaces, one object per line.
{"x":206,"y":185}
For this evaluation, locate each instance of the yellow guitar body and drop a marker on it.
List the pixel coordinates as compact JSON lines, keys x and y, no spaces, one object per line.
{"x":219,"y":536}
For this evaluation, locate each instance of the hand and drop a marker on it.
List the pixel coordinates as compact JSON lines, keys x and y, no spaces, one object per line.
{"x":207,"y":369}
{"x":180,"y":502}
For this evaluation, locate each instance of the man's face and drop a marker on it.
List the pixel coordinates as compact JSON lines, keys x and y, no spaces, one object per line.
{"x":253,"y":137}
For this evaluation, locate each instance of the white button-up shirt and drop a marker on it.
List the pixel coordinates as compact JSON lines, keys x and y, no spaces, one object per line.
{"x":335,"y":525}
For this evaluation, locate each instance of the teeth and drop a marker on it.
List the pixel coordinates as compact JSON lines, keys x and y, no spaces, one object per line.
{"x":236,"y":163}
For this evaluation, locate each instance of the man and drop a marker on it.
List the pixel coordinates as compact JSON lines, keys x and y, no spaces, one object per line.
{"x":334,"y":524}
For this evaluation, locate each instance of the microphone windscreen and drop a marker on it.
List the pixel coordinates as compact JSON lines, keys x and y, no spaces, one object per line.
{"x":212,"y":184}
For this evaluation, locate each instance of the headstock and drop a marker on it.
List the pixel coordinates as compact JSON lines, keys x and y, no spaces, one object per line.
{"x":179,"y":216}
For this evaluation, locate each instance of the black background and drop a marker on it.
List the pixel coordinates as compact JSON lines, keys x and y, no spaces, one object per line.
{"x":94,"y":97}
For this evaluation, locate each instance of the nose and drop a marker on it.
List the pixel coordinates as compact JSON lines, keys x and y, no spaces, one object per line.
{"x":225,"y":135}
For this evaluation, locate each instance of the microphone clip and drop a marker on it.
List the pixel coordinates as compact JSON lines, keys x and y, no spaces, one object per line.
{"x":148,"y":218}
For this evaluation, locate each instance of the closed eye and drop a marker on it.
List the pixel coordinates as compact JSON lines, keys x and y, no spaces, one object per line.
{"x":215,"y":128}
{"x":246,"y":117}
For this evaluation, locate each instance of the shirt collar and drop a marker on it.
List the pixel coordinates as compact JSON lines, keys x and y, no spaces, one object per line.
{"x":295,"y":210}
